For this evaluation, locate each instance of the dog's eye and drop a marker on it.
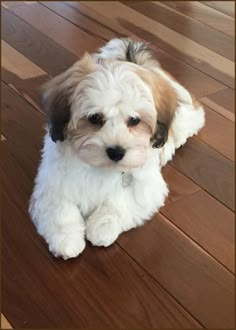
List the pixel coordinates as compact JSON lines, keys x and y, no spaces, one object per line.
{"x":133,"y":121}
{"x":96,"y":119}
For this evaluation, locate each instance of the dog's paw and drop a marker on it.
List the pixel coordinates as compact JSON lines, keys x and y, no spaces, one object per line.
{"x":103,"y":231}
{"x":67,"y":244}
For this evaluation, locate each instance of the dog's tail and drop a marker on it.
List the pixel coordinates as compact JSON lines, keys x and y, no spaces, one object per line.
{"x":130,"y":51}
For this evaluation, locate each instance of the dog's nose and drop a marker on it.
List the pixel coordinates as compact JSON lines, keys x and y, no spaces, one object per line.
{"x":115,"y":153}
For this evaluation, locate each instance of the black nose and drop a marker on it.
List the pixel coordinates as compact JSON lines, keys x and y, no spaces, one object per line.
{"x":115,"y":153}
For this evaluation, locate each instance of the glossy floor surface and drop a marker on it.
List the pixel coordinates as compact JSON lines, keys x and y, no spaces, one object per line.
{"x":178,"y":270}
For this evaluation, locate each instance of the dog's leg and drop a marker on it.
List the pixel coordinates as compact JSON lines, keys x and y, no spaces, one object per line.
{"x":102,"y":226}
{"x":59,"y":222}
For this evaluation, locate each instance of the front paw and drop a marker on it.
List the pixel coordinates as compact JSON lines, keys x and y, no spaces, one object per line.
{"x":67,"y":244}
{"x":103,"y":231}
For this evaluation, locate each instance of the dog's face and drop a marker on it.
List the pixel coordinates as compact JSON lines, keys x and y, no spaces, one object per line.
{"x":107,"y":111}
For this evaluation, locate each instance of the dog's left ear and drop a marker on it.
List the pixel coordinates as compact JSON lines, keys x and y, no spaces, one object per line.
{"x":165,"y":99}
{"x":57,"y":96}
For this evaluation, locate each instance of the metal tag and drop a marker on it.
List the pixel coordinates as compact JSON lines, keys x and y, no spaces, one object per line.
{"x":126,"y":180}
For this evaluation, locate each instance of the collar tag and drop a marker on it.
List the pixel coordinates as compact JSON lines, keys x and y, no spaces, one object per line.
{"x":126,"y":179}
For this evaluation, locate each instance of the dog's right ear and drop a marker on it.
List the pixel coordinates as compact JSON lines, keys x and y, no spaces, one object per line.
{"x":57,"y":96}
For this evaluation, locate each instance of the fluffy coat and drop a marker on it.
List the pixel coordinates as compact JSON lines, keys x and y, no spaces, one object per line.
{"x":79,"y":192}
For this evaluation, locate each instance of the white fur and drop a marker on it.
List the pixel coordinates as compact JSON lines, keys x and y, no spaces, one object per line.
{"x":76,"y":198}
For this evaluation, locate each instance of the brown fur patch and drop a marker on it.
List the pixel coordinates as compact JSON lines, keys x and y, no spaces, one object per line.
{"x":165,"y":98}
{"x":57,"y":94}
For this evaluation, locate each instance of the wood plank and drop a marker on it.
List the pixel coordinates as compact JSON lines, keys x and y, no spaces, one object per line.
{"x":218,"y":132}
{"x":37,"y":47}
{"x":207,"y":168}
{"x":224,"y":98}
{"x":13,"y":61}
{"x":22,"y":75}
{"x":185,"y":270}
{"x":217,"y":108}
{"x":179,"y":185}
{"x":204,"y":14}
{"x":4,"y":323}
{"x":195,"y":81}
{"x":54,"y":60}
{"x":55,"y":27}
{"x":226,"y":7}
{"x":76,"y":16}
{"x":138,"y":299}
{"x":24,"y":38}
{"x":188,"y":27}
{"x":16,"y":129}
{"x":100,"y":18}
{"x":176,"y":44}
{"x":208,"y":223}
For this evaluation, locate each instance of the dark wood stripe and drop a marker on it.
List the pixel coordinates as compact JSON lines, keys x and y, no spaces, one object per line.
{"x":207,"y":168}
{"x":202,"y":34}
{"x":226,"y":7}
{"x":204,"y":14}
{"x":213,"y":133}
{"x":224,"y":98}
{"x":185,"y":270}
{"x":58,"y":29}
{"x":36,"y":46}
{"x":179,"y":185}
{"x":202,"y":67}
{"x":139,"y":25}
{"x":205,"y":226}
{"x":76,"y":16}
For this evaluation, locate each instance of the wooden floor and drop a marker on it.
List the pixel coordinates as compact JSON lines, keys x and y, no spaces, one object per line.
{"x":178,"y":270}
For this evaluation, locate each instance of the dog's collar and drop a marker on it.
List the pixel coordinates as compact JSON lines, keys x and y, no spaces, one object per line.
{"x":126,"y":179}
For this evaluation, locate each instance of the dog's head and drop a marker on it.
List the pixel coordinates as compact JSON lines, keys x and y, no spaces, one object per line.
{"x":110,"y":111}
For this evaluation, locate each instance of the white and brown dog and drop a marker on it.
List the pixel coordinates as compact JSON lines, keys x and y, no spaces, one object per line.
{"x":115,"y":118}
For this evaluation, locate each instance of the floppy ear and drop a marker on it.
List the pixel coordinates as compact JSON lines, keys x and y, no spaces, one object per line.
{"x":165,"y":99}
{"x":57,"y":96}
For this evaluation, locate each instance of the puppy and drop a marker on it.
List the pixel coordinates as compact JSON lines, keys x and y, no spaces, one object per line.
{"x":114,"y":119}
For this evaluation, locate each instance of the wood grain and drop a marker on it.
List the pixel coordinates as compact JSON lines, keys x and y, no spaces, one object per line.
{"x":226,"y":7}
{"x":204,"y":14}
{"x":200,"y":33}
{"x":55,"y":27}
{"x":205,"y":226}
{"x":217,"y":108}
{"x":207,"y":168}
{"x":4,"y":323}
{"x":224,"y":98}
{"x":185,"y":270}
{"x":213,"y":133}
{"x":196,"y":82}
{"x":37,"y":47}
{"x":76,"y":15}
{"x":178,"y":45}
{"x":179,"y":185}
{"x":22,"y":75}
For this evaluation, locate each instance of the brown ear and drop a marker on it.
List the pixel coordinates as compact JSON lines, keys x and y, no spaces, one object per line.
{"x":57,"y":96}
{"x":165,"y":99}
